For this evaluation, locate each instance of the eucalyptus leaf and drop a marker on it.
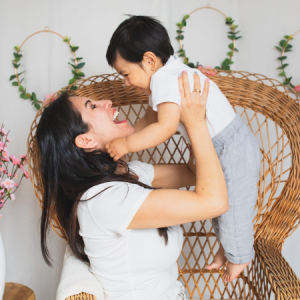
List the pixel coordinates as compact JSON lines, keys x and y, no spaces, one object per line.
{"x":81,"y":74}
{"x":15,"y":83}
{"x":289,"y":46}
{"x":16,"y":60}
{"x":72,"y":65}
{"x":74,"y":48}
{"x":12,"y":77}
{"x":186,"y":17}
{"x":238,"y":37}
{"x":282,"y":73}
{"x":37,"y":106}
{"x":16,"y":66}
{"x":282,"y":58}
{"x":278,"y":48}
{"x":72,"y":80}
{"x":230,"y":46}
{"x":79,"y":66}
{"x":74,"y":87}
{"x":17,"y":55}
{"x":232,"y":37}
{"x":33,"y":97}
{"x":179,"y":24}
{"x":179,"y":31}
{"x":183,"y":22}
{"x":21,"y":88}
{"x":283,"y":43}
{"x":230,"y":53}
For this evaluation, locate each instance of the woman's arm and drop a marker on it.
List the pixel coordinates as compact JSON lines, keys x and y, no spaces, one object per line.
{"x":167,"y":207}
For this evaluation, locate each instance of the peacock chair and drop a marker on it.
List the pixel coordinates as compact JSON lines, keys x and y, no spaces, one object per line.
{"x":272,"y":112}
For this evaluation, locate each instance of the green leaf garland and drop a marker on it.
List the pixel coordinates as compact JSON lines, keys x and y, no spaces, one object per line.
{"x":285,"y":46}
{"x":76,"y":71}
{"x":232,"y":35}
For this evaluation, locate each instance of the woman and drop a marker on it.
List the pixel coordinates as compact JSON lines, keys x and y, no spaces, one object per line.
{"x":124,"y":217}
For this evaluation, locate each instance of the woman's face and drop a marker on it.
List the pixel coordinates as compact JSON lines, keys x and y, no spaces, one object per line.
{"x":100,"y":117}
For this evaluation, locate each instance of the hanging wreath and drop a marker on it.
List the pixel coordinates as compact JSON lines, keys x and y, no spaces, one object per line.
{"x":232,"y":35}
{"x":285,"y":46}
{"x":76,"y":69}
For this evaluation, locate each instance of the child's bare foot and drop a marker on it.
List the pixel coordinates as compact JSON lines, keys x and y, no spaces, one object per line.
{"x":233,"y":271}
{"x":219,"y":260}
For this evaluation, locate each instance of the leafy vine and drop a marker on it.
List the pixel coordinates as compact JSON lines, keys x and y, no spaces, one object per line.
{"x":285,"y":46}
{"x":76,"y":71}
{"x":232,"y":35}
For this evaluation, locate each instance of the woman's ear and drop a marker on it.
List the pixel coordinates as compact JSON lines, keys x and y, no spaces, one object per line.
{"x":85,"y":141}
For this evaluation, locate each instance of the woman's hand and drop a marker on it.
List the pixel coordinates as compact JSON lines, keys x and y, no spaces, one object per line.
{"x":193,"y":105}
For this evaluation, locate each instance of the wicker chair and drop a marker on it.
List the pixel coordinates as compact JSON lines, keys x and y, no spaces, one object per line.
{"x":272,"y":112}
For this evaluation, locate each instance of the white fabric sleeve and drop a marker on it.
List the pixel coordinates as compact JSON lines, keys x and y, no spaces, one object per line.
{"x":165,"y":90}
{"x":114,"y":208}
{"x":143,"y":170}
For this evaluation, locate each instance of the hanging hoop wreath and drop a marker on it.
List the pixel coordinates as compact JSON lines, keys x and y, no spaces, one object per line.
{"x":232,"y":35}
{"x":76,"y":68}
{"x":285,"y":46}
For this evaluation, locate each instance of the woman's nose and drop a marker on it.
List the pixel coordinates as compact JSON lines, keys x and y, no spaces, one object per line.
{"x":107,"y":104}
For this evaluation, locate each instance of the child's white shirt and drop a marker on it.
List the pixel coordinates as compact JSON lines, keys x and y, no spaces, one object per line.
{"x":164,"y":88}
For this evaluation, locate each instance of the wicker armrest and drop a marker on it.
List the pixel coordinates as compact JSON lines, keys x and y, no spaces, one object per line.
{"x":277,"y":273}
{"x":81,"y":296}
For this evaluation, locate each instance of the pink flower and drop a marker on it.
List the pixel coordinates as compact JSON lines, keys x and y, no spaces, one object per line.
{"x":49,"y":97}
{"x":8,"y":139}
{"x":9,"y":174}
{"x":200,"y":67}
{"x":5,"y":159}
{"x":16,"y":184}
{"x":12,"y":197}
{"x":16,"y":176}
{"x":2,"y":146}
{"x":210,"y":73}
{"x":23,"y":156}
{"x":26,"y":174}
{"x":21,"y":167}
{"x":297,"y":88}
{"x":3,"y":131}
{"x":8,"y":183}
{"x":208,"y":67}
{"x":0,"y":216}
{"x":1,"y":191}
{"x":2,"y":169}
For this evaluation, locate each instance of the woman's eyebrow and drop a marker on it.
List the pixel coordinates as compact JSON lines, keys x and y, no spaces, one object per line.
{"x":86,"y":103}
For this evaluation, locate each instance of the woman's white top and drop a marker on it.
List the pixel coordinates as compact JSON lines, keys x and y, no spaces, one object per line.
{"x":164,"y":88}
{"x":130,"y":264}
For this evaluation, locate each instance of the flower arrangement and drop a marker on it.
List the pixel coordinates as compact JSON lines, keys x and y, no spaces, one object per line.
{"x":9,"y":166}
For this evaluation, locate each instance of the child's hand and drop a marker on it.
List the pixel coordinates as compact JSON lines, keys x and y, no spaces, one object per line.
{"x":117,"y":148}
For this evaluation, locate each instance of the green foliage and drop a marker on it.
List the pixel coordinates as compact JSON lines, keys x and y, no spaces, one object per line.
{"x":76,"y":72}
{"x":285,"y":47}
{"x":232,"y":35}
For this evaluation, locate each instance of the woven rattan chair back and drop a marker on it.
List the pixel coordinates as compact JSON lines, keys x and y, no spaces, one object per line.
{"x":272,"y":113}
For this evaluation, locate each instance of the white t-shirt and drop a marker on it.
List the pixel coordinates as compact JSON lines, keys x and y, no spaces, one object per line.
{"x":164,"y":88}
{"x":130,"y":264}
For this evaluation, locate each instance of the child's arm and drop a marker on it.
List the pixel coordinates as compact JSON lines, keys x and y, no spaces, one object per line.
{"x":167,"y":122}
{"x":150,"y":117}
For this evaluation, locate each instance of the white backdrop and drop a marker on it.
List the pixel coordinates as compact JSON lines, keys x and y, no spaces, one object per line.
{"x":90,"y":24}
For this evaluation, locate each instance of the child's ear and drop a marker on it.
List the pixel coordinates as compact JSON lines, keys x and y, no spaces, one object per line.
{"x":151,"y":60}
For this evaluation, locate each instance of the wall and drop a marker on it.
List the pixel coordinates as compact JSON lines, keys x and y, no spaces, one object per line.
{"x":90,"y":24}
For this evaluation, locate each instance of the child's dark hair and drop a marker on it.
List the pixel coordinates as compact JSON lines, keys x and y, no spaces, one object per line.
{"x":136,"y":36}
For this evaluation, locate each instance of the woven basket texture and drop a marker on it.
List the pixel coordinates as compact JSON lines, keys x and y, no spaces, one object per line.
{"x":272,"y":112}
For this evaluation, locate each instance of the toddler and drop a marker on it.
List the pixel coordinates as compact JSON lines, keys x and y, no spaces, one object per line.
{"x":140,"y":50}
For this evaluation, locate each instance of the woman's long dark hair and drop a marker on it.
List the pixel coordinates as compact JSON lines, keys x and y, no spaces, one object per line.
{"x":69,"y":171}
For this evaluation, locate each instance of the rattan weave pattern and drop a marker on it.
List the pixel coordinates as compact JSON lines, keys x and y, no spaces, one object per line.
{"x":272,"y":113}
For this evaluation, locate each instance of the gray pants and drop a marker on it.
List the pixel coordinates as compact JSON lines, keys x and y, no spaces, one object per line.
{"x":239,"y":155}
